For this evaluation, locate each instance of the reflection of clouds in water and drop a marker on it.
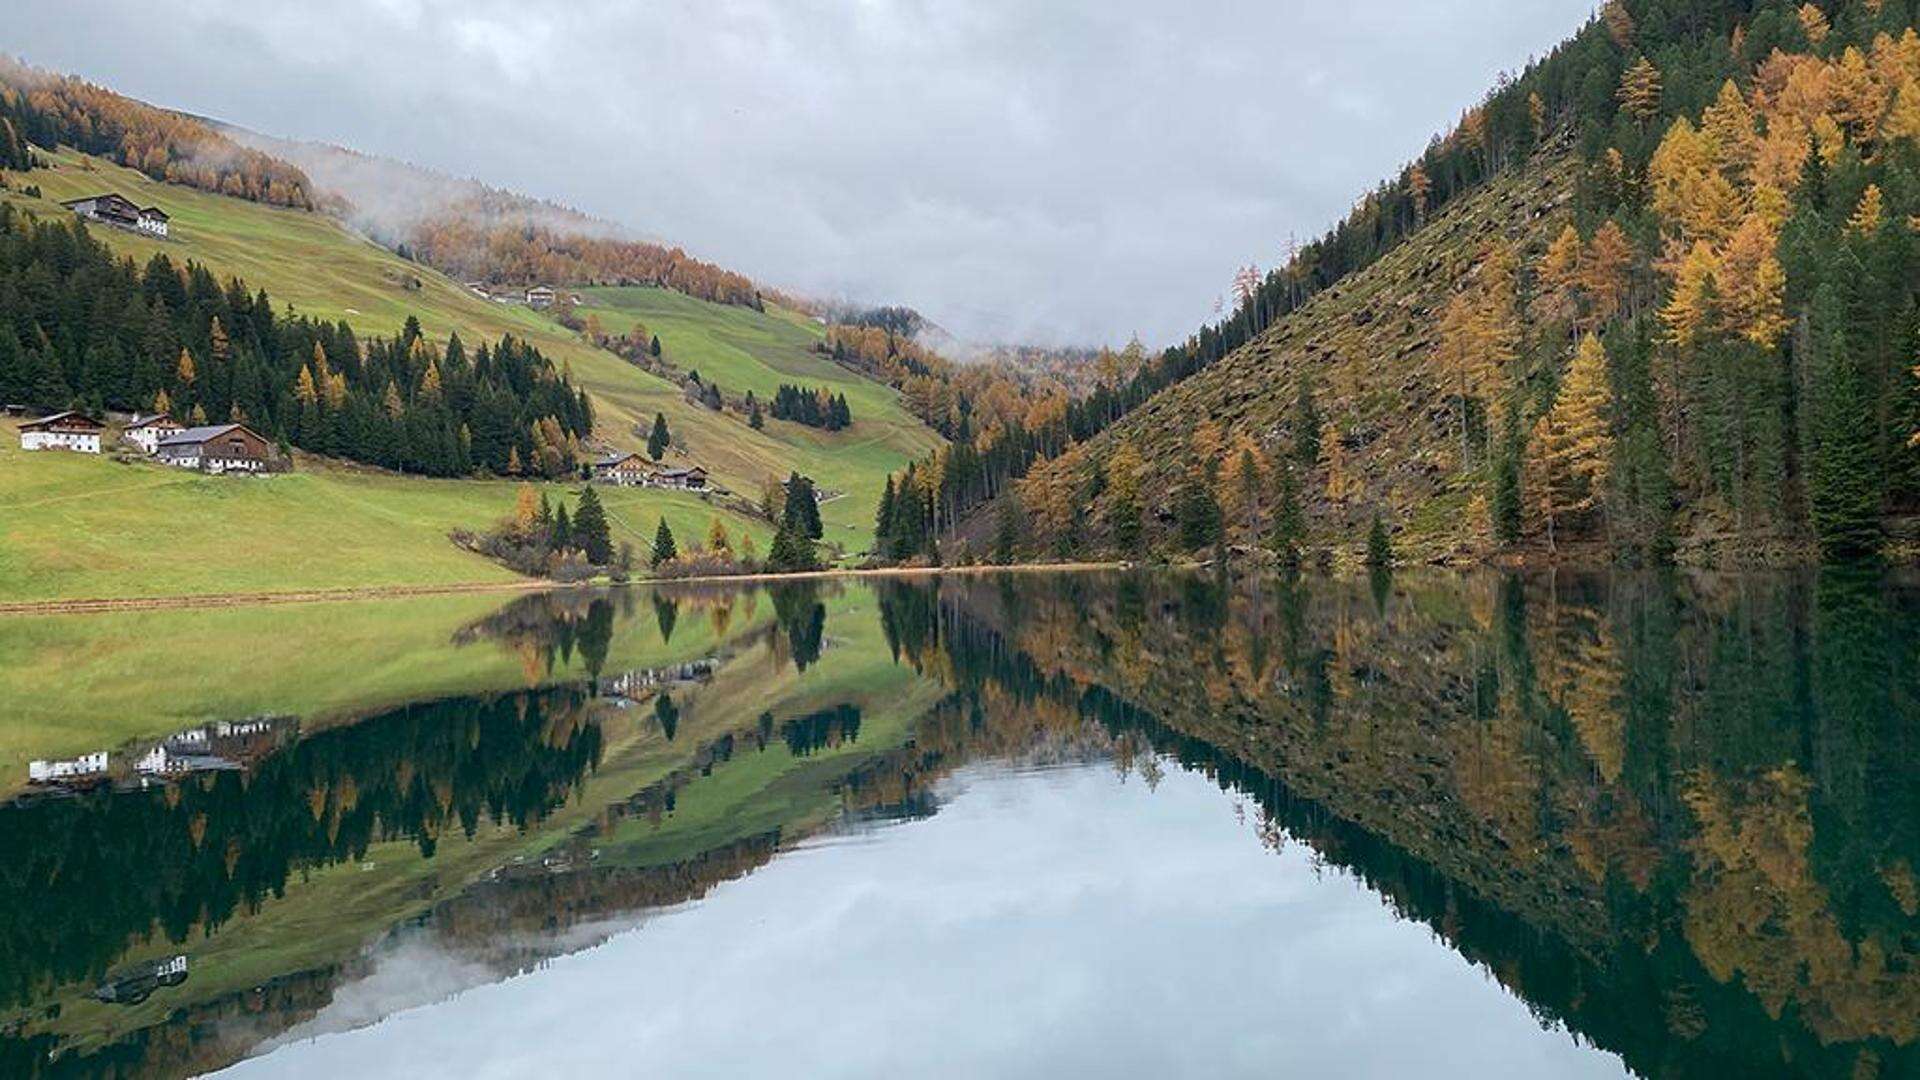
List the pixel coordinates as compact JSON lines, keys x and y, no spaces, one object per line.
{"x":410,"y":975}
{"x":1043,"y":923}
{"x":417,"y":971}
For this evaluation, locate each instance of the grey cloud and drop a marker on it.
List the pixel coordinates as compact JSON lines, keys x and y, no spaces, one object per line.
{"x":1073,"y":171}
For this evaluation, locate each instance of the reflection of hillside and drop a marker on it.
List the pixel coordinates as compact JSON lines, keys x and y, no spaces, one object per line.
{"x":1681,"y":818}
{"x":86,"y":878}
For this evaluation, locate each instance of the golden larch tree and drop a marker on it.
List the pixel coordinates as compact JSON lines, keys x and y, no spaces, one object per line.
{"x":526,"y":508}
{"x":1859,"y":99}
{"x":1639,"y":91}
{"x":1605,"y":271}
{"x":1753,"y":284}
{"x":1728,"y":124}
{"x":1419,"y":185}
{"x":303,"y":389}
{"x":1904,"y":121}
{"x":1870,"y":214}
{"x":1676,"y":175}
{"x":1814,"y":22}
{"x":718,"y":541}
{"x":1572,"y":446}
{"x":1559,"y":274}
{"x":1782,"y":155}
{"x":1689,"y":313}
{"x":1619,"y":23}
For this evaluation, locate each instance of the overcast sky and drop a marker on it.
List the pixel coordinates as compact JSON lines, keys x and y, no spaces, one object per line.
{"x":1046,"y":170}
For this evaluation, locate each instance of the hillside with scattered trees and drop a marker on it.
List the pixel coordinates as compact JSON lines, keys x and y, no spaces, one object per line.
{"x":1654,"y":298}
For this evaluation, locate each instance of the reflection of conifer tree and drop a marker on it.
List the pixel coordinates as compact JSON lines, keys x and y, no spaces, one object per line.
{"x":666,"y":612}
{"x":802,"y":617}
{"x":666,"y":714}
{"x":596,"y":636}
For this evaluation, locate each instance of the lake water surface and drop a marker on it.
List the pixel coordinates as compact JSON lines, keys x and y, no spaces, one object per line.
{"x":1143,"y":824}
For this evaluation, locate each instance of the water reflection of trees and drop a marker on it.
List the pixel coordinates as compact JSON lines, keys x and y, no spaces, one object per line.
{"x":1680,"y":815}
{"x":1677,"y":815}
{"x":83,"y":878}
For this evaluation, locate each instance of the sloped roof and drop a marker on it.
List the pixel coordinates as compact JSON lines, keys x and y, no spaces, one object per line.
{"x":140,"y":420}
{"x":68,"y":417}
{"x":189,"y":436}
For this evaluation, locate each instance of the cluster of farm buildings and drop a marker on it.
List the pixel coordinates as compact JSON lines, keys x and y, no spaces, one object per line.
{"x":114,"y":208}
{"x":537,"y":297}
{"x":637,"y":470}
{"x":214,"y":448}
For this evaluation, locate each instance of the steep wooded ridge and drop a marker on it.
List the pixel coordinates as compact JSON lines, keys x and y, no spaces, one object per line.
{"x":1653,"y":298}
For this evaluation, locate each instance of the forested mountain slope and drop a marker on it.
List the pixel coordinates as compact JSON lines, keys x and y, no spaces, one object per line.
{"x":1366,"y":345}
{"x":1703,"y":351}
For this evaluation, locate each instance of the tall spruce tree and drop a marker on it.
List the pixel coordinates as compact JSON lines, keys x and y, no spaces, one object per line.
{"x":659,"y":439}
{"x":1843,"y":488}
{"x":664,"y":549}
{"x":590,"y":531}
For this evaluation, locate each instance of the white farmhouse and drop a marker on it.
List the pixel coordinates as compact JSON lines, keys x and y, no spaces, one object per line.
{"x":113,"y":208}
{"x":62,"y":431}
{"x":146,"y":432}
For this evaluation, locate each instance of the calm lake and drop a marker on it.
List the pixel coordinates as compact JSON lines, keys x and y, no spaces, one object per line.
{"x":1029,"y":825}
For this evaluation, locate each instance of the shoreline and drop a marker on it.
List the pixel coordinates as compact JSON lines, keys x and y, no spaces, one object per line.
{"x":118,"y":605}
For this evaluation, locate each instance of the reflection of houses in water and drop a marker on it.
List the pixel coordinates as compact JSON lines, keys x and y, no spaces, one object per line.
{"x":630,"y":686}
{"x":86,"y":768}
{"x":226,"y":744}
{"x":134,"y":985}
{"x":563,"y":860}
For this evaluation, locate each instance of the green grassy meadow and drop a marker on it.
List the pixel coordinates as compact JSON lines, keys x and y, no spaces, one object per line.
{"x":313,"y":265}
{"x":88,"y":526}
{"x":744,"y":350}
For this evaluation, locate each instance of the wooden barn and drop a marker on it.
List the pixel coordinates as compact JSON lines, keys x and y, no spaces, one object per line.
{"x":218,"y":448}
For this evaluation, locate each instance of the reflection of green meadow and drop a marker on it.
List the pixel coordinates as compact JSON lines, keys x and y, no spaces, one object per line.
{"x":76,"y":683}
{"x":344,"y":658}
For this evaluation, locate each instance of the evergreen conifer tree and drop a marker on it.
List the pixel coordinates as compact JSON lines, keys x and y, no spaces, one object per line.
{"x":1289,"y":523}
{"x":664,"y":550}
{"x":659,"y":439}
{"x":590,"y":531}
